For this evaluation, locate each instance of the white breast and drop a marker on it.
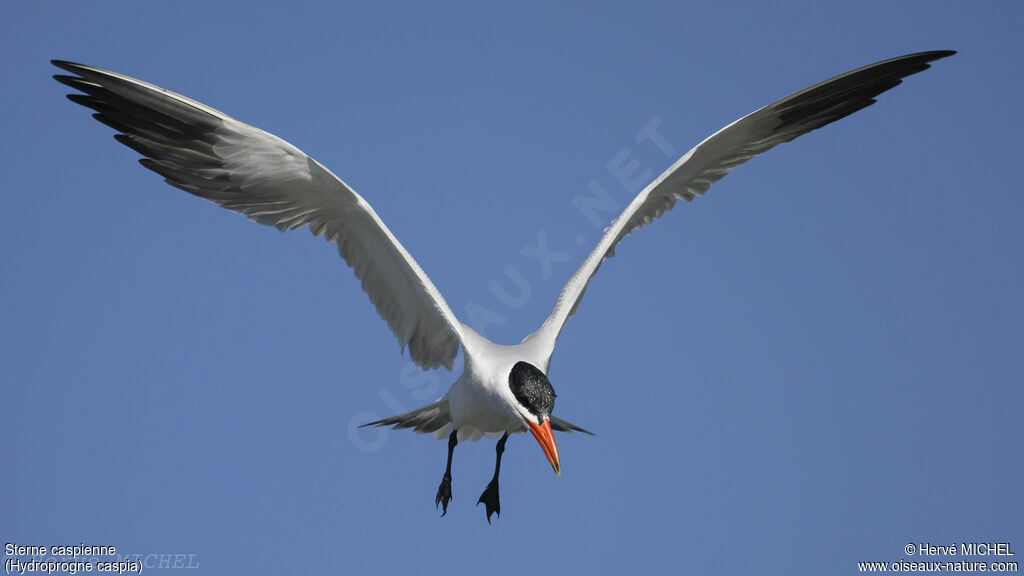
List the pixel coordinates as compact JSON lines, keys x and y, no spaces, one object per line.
{"x":480,"y":401}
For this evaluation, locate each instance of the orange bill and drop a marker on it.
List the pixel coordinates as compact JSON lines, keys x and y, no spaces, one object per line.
{"x":547,"y":443}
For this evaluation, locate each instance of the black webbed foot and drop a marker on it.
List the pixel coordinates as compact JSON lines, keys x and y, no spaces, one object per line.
{"x":490,"y":499}
{"x":444,"y":494}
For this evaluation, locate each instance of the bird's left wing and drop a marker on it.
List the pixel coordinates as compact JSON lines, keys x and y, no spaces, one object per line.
{"x":731,"y":146}
{"x":245,"y":169}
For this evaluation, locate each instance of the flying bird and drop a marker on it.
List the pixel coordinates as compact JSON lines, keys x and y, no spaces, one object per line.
{"x":503,"y":389}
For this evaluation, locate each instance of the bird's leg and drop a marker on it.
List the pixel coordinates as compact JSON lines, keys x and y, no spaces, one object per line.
{"x":444,"y":491}
{"x":490,"y":495}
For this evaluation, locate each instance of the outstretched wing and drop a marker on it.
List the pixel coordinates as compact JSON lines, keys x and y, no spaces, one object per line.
{"x":731,"y":146}
{"x":245,"y":169}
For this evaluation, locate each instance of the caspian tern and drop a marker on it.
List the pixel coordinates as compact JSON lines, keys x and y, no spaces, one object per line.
{"x":503,"y":389}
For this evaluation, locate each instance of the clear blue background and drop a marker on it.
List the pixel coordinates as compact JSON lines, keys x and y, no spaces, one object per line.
{"x":812,"y":366}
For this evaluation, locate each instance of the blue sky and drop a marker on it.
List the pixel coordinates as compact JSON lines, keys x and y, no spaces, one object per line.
{"x":814,"y":365}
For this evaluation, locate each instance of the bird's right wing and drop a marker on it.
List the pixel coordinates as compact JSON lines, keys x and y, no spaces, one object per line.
{"x":731,"y":146}
{"x":245,"y":169}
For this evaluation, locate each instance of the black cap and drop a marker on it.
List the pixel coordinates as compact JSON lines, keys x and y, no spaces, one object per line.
{"x":532,"y":389}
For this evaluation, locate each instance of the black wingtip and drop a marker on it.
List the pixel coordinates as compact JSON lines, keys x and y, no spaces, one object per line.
{"x":72,"y":81}
{"x":927,"y":56}
{"x":934,"y":55}
{"x":72,"y":67}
